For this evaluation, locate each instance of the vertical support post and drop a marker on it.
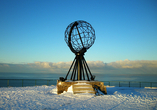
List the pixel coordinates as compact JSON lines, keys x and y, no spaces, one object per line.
{"x":79,"y":70}
{"x":35,"y":82}
{"x":151,"y":84}
{"x":22,"y":82}
{"x":7,"y":83}
{"x":70,"y":68}
{"x":74,"y":74}
{"x":74,"y":71}
{"x":140,"y":84}
{"x":119,"y":83}
{"x":79,"y":77}
{"x":47,"y":82}
{"x":85,"y":69}
{"x":129,"y":83}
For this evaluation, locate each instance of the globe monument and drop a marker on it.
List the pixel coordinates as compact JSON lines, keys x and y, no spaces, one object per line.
{"x":80,"y":36}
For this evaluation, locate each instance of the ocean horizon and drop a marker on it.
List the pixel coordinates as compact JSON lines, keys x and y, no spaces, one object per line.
{"x":34,"y":79}
{"x":99,"y":77}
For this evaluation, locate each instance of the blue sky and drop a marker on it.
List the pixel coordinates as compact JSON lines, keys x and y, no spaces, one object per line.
{"x":33,"y":30}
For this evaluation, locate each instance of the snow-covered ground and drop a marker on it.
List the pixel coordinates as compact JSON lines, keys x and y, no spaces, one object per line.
{"x":46,"y":98}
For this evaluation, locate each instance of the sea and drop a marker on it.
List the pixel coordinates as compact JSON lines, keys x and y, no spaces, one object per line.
{"x":31,"y":79}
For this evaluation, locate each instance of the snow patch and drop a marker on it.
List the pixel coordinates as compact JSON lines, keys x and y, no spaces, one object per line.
{"x":70,"y":89}
{"x":46,"y":98}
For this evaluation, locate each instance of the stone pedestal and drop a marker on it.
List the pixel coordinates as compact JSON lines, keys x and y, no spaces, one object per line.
{"x":64,"y":85}
{"x":83,"y":88}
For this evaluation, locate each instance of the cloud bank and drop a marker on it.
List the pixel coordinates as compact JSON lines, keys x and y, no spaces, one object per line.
{"x":118,"y":67}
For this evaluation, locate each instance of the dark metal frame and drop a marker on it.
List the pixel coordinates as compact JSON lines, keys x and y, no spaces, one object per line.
{"x":79,"y":36}
{"x":81,"y":69}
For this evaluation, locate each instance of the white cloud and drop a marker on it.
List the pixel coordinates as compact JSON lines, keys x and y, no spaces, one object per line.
{"x":62,"y":64}
{"x":119,"y":67}
{"x":134,"y":64}
{"x":50,"y":64}
{"x":95,"y":64}
{"x":4,"y":65}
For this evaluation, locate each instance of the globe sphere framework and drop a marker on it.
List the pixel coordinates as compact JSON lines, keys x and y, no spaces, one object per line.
{"x":79,"y":36}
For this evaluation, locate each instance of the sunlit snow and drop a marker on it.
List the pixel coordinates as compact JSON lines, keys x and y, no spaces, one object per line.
{"x":46,"y":98}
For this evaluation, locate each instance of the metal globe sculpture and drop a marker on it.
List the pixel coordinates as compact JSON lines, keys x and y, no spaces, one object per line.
{"x":79,"y":36}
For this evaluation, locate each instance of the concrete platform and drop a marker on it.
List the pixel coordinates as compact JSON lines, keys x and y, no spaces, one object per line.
{"x":79,"y":86}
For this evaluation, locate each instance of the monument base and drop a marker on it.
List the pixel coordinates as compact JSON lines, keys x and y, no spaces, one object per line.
{"x":64,"y":85}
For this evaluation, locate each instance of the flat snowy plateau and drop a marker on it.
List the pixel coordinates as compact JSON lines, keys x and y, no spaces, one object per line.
{"x":46,"y":98}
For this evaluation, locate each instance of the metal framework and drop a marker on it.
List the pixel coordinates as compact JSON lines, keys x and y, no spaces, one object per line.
{"x":80,"y":70}
{"x":79,"y":36}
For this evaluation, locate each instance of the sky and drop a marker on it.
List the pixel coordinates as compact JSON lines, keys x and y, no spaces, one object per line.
{"x":32,"y":33}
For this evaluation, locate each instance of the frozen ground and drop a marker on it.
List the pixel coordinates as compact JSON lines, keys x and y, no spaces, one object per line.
{"x":45,"y":98}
